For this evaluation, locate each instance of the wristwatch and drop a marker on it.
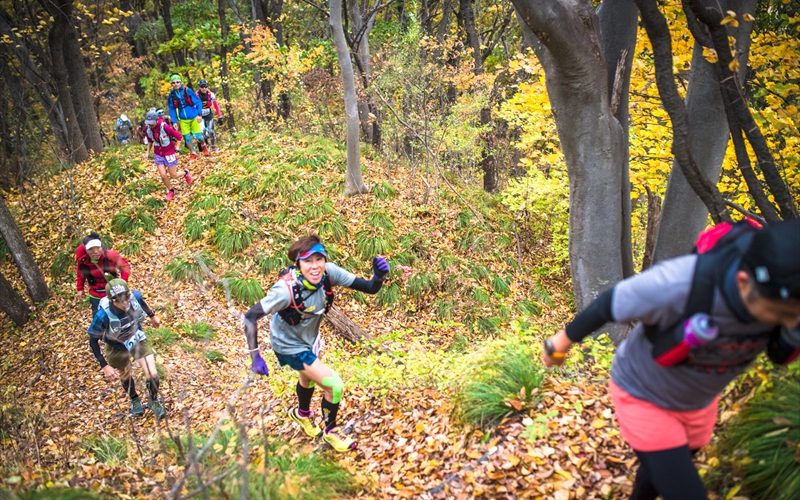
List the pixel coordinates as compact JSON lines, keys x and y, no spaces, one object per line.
{"x":550,"y":350}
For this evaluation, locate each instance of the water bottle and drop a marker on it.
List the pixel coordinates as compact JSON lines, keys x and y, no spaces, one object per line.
{"x":695,"y":332}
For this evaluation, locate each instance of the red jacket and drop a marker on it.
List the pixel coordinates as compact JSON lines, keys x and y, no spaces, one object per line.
{"x":87,"y":271}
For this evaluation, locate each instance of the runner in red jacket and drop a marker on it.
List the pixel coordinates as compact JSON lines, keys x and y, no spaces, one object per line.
{"x":95,"y":265}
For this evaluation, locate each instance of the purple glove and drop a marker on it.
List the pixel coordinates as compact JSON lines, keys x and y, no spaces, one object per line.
{"x":259,"y":366}
{"x":380,"y":266}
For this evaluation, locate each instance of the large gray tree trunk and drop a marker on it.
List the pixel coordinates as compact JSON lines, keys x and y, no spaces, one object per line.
{"x":12,"y":303}
{"x":34,"y":281}
{"x":684,"y":215}
{"x":618,"y":31}
{"x":76,"y":147}
{"x":354,"y":182}
{"x":591,"y":137}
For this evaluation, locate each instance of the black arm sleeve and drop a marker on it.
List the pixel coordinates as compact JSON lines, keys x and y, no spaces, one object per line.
{"x":94,"y":344}
{"x":596,"y":314}
{"x":250,"y":321}
{"x":149,"y":312}
{"x":783,"y":346}
{"x":371,"y":287}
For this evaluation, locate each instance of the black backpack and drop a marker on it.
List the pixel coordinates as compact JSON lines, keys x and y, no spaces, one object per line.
{"x":292,"y":314}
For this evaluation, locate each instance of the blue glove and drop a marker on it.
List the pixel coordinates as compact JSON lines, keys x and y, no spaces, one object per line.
{"x":259,"y":366}
{"x":380,"y":267}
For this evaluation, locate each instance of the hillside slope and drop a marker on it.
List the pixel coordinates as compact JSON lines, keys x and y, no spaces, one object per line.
{"x":461,"y":278}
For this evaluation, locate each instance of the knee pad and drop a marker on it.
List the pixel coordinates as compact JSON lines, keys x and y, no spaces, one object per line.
{"x":335,"y":383}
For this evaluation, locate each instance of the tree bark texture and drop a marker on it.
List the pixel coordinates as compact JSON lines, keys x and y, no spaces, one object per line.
{"x":165,"y":8}
{"x":76,"y":147}
{"x":618,"y":31}
{"x":360,"y":29}
{"x":34,"y":281}
{"x":12,"y":303}
{"x":739,"y":116}
{"x":344,"y":326}
{"x":684,"y":214}
{"x":80,"y":90}
{"x":658,"y":32}
{"x":354,"y":183}
{"x":590,"y":136}
{"x":223,"y":68}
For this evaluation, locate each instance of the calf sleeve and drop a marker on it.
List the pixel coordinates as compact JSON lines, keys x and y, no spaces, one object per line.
{"x":130,"y":387}
{"x":152,"y":387}
{"x":670,"y":473}
{"x":335,"y":384}
{"x":304,"y":397}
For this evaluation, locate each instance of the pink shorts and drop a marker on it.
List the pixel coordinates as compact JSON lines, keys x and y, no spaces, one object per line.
{"x":647,"y":427}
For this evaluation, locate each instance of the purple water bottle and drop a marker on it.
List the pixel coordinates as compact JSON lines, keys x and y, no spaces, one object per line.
{"x":699,"y":330}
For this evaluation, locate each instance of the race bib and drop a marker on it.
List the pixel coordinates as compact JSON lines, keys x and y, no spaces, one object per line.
{"x":206,"y":111}
{"x":132,"y":342}
{"x":170,"y":158}
{"x":318,"y":345}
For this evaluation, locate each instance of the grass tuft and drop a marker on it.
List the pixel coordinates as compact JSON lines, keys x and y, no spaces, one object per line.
{"x":334,"y":229}
{"x":384,"y":190}
{"x":369,"y":245}
{"x":503,"y":381}
{"x":200,"y":331}
{"x":245,"y":291}
{"x":232,"y":238}
{"x":132,"y":219}
{"x":107,"y":449}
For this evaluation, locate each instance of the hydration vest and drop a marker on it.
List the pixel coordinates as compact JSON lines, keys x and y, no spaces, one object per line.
{"x":176,"y":102}
{"x":122,"y":329}
{"x":163,"y":138}
{"x":206,"y":98}
{"x":293,"y":314}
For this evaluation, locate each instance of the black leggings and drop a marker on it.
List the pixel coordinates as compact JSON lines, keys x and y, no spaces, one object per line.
{"x":669,"y":473}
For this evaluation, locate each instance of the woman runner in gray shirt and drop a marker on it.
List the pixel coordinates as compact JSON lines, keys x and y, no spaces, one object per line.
{"x":299,"y":299}
{"x":666,"y":413}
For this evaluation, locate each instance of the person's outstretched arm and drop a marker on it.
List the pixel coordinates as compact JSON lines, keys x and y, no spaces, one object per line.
{"x":380,"y":269}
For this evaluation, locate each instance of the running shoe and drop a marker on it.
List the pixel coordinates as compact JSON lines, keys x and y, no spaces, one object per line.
{"x":170,"y":195}
{"x":187,"y":177}
{"x":305,"y":423}
{"x":339,"y":441}
{"x":137,"y":410}
{"x":158,"y":409}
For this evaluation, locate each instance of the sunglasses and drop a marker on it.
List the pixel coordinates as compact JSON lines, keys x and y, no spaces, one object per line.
{"x":123,"y":297}
{"x":203,"y":86}
{"x":175,"y":83}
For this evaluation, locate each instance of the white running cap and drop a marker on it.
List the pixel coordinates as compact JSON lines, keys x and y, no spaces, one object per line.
{"x":92,"y":244}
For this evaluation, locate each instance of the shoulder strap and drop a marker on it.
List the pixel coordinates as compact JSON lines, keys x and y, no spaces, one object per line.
{"x":326,"y":286}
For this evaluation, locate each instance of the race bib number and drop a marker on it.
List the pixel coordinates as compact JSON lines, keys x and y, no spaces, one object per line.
{"x":170,"y":158}
{"x":206,"y":111}
{"x":132,"y":342}
{"x":318,"y":345}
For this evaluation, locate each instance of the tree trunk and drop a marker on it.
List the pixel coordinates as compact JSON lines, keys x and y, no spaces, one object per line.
{"x":344,"y":326}
{"x":138,"y":47}
{"x":34,"y":281}
{"x":12,"y":303}
{"x":80,"y":90}
{"x":354,"y":183}
{"x":166,"y":14}
{"x":591,"y":139}
{"x":618,"y":31}
{"x":360,"y":28}
{"x":684,"y":215}
{"x":76,"y":148}
{"x":223,"y":56}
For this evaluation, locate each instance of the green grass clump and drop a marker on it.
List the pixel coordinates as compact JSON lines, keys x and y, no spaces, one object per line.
{"x":132,"y":219}
{"x":384,"y":190}
{"x":317,"y":211}
{"x":63,"y":264}
{"x":246,"y":291}
{"x":369,"y":245}
{"x":143,"y":187}
{"x":162,"y":336}
{"x":107,"y":449}
{"x":194,"y":225}
{"x":480,"y":295}
{"x":420,"y":284}
{"x":444,"y":309}
{"x":334,"y":229}
{"x":269,"y":265}
{"x":500,"y":285}
{"x":190,"y":268}
{"x":530,"y":307}
{"x":131,"y":247}
{"x":215,"y":357}
{"x":117,"y":172}
{"x":389,"y":295}
{"x":207,"y":202}
{"x":381,"y":220}
{"x":504,"y":380}
{"x":232,"y":238}
{"x":200,"y":331}
{"x":760,"y":444}
{"x":154,"y":202}
{"x":479,"y":272}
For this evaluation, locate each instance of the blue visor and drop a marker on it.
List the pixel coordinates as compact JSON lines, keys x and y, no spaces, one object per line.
{"x":317,"y":248}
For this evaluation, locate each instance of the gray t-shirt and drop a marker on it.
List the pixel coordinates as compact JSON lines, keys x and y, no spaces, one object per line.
{"x":288,"y":339}
{"x":659,"y":296}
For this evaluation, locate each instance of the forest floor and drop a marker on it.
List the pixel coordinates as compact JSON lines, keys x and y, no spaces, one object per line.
{"x":399,"y":392}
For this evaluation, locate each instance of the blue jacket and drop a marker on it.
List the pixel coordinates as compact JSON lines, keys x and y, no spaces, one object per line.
{"x":179,"y":107}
